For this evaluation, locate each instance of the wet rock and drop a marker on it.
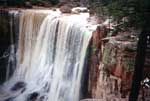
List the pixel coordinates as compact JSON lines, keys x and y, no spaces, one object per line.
{"x":23,"y":90}
{"x":43,"y":98}
{"x":33,"y":96}
{"x":54,"y":9}
{"x":95,"y":58}
{"x":65,"y":9}
{"x":18,"y":86}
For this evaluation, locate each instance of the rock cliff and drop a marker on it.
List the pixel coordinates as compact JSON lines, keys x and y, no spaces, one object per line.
{"x":112,"y":64}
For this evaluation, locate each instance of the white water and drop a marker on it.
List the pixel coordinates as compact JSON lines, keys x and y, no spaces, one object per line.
{"x":50,"y":57}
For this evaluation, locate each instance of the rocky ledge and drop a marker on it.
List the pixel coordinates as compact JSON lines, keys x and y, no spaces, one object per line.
{"x":111,"y":64}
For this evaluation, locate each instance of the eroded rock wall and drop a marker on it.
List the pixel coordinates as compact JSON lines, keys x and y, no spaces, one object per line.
{"x":95,"y":58}
{"x":112,"y":63}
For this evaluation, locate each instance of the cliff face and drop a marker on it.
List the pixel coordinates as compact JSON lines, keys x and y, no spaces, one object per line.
{"x":95,"y":58}
{"x":112,"y":63}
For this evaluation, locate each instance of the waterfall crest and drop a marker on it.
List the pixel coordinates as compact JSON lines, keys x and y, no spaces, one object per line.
{"x":50,"y":58}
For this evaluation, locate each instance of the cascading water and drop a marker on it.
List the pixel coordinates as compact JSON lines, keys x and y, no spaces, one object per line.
{"x":50,"y":58}
{"x":14,"y":17}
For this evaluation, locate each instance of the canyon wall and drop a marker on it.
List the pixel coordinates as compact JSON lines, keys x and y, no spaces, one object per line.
{"x":112,"y":63}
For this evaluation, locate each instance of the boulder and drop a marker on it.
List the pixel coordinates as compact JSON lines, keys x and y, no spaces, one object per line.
{"x":19,"y":85}
{"x":65,"y":9}
{"x":43,"y":98}
{"x":33,"y":96}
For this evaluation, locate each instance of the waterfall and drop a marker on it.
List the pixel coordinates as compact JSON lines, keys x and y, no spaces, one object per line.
{"x":11,"y":65}
{"x":50,"y":57}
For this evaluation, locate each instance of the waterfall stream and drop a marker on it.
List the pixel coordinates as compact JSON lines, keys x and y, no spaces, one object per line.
{"x":50,"y":57}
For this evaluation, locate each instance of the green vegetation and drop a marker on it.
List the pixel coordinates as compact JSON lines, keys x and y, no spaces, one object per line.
{"x":35,"y":2}
{"x":112,"y":54}
{"x":21,"y":3}
{"x":128,"y":63}
{"x":94,"y":48}
{"x":15,"y":2}
{"x":127,"y":13}
{"x":54,"y":2}
{"x":38,"y":2}
{"x":109,"y":55}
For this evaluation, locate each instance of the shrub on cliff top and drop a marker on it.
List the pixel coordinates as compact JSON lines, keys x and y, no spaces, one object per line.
{"x":132,"y":13}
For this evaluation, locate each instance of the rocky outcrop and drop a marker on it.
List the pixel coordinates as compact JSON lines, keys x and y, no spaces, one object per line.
{"x":18,"y":86}
{"x":95,"y":57}
{"x":116,"y":68}
{"x":112,"y":63}
{"x":65,"y":9}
